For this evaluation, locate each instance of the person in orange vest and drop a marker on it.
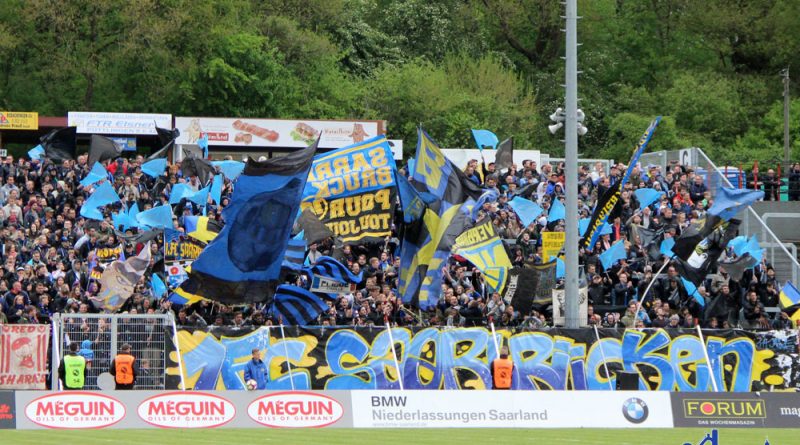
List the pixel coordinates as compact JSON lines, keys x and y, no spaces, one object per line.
{"x":124,"y":368}
{"x":502,"y":370}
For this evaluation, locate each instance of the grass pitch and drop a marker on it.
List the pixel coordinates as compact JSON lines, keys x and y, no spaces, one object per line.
{"x":676,"y":436}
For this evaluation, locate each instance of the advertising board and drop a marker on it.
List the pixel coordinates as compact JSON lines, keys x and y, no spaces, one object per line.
{"x":90,"y":122}
{"x":274,"y":133}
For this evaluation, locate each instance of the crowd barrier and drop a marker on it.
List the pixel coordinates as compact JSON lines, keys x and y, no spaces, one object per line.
{"x":395,"y":409}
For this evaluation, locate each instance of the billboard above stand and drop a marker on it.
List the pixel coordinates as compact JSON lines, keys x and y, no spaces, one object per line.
{"x":275,"y":133}
{"x":90,"y":122}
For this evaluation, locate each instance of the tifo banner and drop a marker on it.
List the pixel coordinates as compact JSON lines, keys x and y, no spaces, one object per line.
{"x":117,"y":123}
{"x":19,"y":120}
{"x":352,"y":191}
{"x":246,"y":132}
{"x":23,"y":356}
{"x":431,"y":358}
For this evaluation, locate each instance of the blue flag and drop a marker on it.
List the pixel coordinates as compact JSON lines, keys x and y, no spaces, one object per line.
{"x":484,"y":139}
{"x":126,"y":219}
{"x":155,"y":168}
{"x":200,"y":197}
{"x":738,"y":244}
{"x":36,"y":153}
{"x":216,"y":189}
{"x":297,"y":306}
{"x":203,"y":144}
{"x":729,"y":201}
{"x":179,"y":191}
{"x":102,"y":195}
{"x":557,"y":211}
{"x":691,"y":289}
{"x":243,"y":263}
{"x":647,"y":196}
{"x":295,"y":253}
{"x":527,"y":211}
{"x":231,"y":169}
{"x":583,"y":224}
{"x":159,"y":288}
{"x":97,"y":174}
{"x":605,"y":229}
{"x":560,"y":268}
{"x":487,"y":196}
{"x":754,"y":249}
{"x":158,"y":217}
{"x":614,"y":253}
{"x":410,"y":200}
{"x":789,"y":295}
{"x":666,"y":247}
{"x":330,"y":268}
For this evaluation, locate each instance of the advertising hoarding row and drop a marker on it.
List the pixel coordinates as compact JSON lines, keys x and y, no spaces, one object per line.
{"x":395,"y":409}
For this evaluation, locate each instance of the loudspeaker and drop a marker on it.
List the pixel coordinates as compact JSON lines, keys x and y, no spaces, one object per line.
{"x":627,"y":381}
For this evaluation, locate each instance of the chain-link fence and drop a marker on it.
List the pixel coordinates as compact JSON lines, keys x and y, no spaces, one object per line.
{"x":101,"y":336}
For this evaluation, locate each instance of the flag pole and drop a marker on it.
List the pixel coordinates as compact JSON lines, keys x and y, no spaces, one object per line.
{"x":649,"y":285}
{"x":603,"y":354}
{"x":494,"y":339}
{"x":708,"y":361}
{"x":394,"y":353}
{"x":286,"y":352}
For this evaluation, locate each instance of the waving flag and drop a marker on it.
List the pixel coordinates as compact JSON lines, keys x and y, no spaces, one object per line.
{"x":102,"y":148}
{"x":157,"y":217}
{"x":526,"y":210}
{"x":231,"y":169}
{"x":118,"y":280}
{"x":102,"y":195}
{"x":299,"y":307}
{"x":155,"y":168}
{"x":557,"y":211}
{"x":330,"y":268}
{"x":730,"y":201}
{"x":428,"y":241}
{"x":243,"y":263}
{"x":487,"y":196}
{"x":159,"y":288}
{"x":790,"y":296}
{"x":97,"y":174}
{"x":505,"y":155}
{"x":216,"y":189}
{"x":614,"y":253}
{"x":484,"y":139}
{"x":36,"y":153}
{"x":606,"y":204}
{"x":666,"y":247}
{"x":482,"y":247}
{"x":647,"y":196}
{"x":583,"y":224}
{"x":410,"y":200}
{"x":60,"y":144}
{"x":691,"y":289}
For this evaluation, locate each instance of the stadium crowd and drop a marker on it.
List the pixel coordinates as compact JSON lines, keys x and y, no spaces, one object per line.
{"x":48,"y":253}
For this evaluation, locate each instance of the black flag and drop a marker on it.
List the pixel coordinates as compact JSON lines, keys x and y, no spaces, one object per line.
{"x":705,"y":255}
{"x":314,"y":230}
{"x":103,"y":148}
{"x":201,"y":168}
{"x":505,"y":155}
{"x":60,"y":144}
{"x":166,"y":138}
